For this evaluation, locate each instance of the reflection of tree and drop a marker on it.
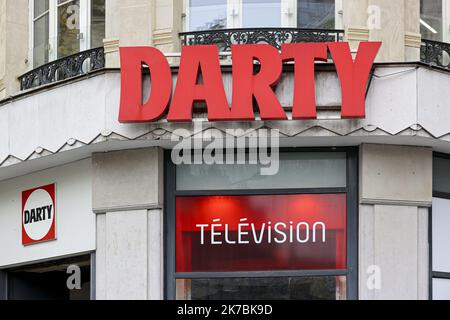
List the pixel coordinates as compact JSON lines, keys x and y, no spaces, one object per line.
{"x":216,"y":24}
{"x":68,"y":30}
{"x":313,"y":14}
{"x":97,"y":23}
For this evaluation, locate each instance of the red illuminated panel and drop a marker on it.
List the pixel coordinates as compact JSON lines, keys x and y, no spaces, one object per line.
{"x":261,"y":233}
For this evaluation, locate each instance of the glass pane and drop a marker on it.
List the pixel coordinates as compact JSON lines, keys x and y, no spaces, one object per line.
{"x":261,"y":13}
{"x":207,"y":14}
{"x":316,"y":14}
{"x":441,"y":289}
{"x":441,"y":235}
{"x":441,"y":175}
{"x":40,"y":6}
{"x":41,"y":41}
{"x":261,"y":233}
{"x":296,"y":170}
{"x":431,"y":19}
{"x":68,"y":28}
{"x":323,"y":288}
{"x":97,"y":23}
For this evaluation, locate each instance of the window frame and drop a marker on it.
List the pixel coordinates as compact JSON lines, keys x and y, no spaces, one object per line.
{"x":85,"y":30}
{"x":445,"y":22}
{"x":435,"y":274}
{"x":351,"y":190}
{"x":288,"y":14}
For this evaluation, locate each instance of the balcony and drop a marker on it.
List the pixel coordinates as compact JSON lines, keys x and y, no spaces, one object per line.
{"x":225,"y":38}
{"x":65,"y":68}
{"x":435,"y":53}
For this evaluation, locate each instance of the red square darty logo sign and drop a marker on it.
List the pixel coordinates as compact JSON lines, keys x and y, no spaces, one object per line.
{"x":38,"y":215}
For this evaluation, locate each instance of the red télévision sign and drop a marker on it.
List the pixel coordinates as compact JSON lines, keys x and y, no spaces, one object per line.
{"x":248,"y":86}
{"x":38,"y":215}
{"x":261,"y":233}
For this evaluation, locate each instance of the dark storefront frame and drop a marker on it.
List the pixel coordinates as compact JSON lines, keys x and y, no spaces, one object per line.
{"x":351,"y":190}
{"x":91,"y":256}
{"x":442,"y":195}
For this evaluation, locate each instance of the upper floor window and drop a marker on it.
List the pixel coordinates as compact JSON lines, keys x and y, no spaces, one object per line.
{"x":64,"y":27}
{"x":435,"y":20}
{"x":221,"y":14}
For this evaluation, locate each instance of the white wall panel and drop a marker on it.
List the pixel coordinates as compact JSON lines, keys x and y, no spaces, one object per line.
{"x":441,"y":235}
{"x":441,"y":289}
{"x":434,"y":107}
{"x":75,"y":221}
{"x":392,"y":99}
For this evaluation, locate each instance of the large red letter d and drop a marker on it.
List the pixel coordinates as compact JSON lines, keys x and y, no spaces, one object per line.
{"x":132,"y":108}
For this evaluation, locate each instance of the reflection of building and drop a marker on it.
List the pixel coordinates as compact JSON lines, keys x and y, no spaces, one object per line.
{"x":119,"y":197}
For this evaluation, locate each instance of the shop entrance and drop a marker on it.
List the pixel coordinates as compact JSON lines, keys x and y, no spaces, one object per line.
{"x":49,"y":280}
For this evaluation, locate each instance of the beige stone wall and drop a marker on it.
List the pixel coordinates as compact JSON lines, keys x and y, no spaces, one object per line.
{"x":395,"y":23}
{"x":127,"y":196}
{"x":140,"y":23}
{"x":13,"y":44}
{"x":395,"y":194}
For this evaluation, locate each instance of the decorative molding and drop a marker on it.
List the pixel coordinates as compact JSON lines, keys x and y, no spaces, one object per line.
{"x":111,"y":45}
{"x":163,"y":132}
{"x":392,"y":202}
{"x":163,"y":37}
{"x":2,"y":90}
{"x":413,"y":39}
{"x":138,"y":207}
{"x":357,"y":33}
{"x":111,"y":50}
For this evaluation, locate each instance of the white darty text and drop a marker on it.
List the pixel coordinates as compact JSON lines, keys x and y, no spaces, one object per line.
{"x":218,"y":233}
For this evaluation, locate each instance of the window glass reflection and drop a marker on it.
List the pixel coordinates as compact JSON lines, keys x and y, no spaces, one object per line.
{"x":41,"y":41}
{"x":261,"y":13}
{"x":316,"y":14}
{"x":431,"y":19}
{"x":296,"y":170}
{"x":68,"y":28}
{"x":207,"y":14}
{"x":97,"y":23}
{"x":320,"y":288}
{"x":40,"y":7}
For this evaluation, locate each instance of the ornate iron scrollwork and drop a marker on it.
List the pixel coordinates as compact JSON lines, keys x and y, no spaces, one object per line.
{"x":435,"y":53}
{"x":224,"y":38}
{"x":65,"y":68}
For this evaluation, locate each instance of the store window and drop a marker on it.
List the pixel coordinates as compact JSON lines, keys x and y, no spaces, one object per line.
{"x":440,"y":226}
{"x":234,"y":234}
{"x":221,"y":14}
{"x":65,"y":27}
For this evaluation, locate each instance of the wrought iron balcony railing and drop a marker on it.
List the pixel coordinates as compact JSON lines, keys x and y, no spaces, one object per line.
{"x":435,"y":53}
{"x":65,"y":68}
{"x":224,"y":38}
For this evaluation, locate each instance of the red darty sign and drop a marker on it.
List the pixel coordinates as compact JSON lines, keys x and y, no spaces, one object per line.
{"x":248,"y":84}
{"x":38,"y":215}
